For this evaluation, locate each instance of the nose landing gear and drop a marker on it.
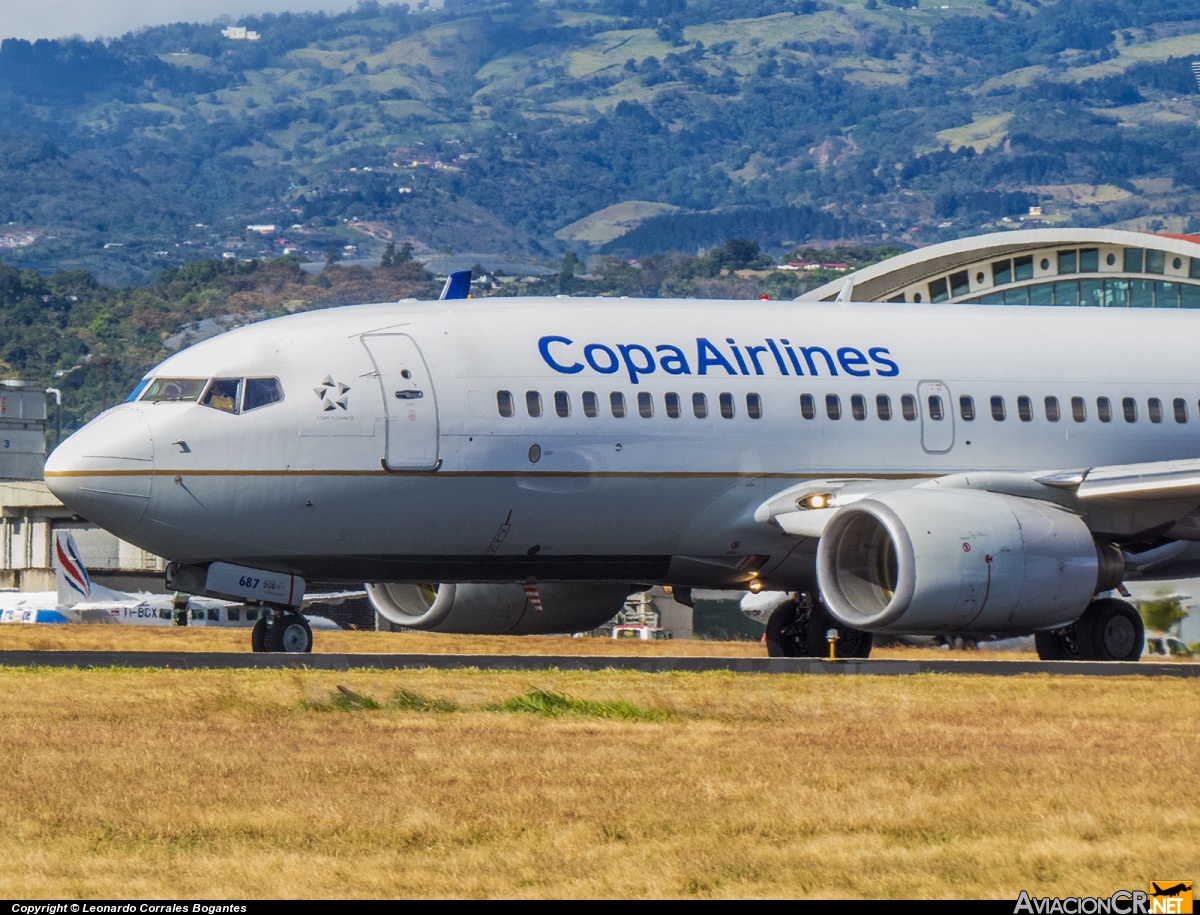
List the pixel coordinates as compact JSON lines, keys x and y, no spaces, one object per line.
{"x":282,"y":629}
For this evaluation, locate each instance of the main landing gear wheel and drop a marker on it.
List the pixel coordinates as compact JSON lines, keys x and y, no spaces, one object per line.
{"x":1109,"y":630}
{"x":287,"y":632}
{"x":258,"y":635}
{"x":796,"y":631}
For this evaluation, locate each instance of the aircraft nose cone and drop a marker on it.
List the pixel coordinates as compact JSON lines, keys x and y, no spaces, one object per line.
{"x":104,"y":471}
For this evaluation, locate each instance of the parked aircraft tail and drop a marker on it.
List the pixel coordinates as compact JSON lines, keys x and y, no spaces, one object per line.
{"x":71,"y":574}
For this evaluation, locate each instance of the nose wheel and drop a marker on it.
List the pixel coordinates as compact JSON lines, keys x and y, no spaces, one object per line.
{"x":284,"y":631}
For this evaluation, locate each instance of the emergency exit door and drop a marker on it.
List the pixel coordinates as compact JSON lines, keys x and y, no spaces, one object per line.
{"x":409,"y":404}
{"x":937,"y":417}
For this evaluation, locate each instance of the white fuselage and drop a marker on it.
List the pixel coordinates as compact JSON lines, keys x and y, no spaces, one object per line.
{"x":388,"y":459}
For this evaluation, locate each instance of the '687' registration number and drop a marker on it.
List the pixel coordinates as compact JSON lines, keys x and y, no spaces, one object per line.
{"x":254,"y":584}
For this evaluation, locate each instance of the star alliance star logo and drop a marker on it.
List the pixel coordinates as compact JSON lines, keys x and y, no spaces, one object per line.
{"x":332,"y":395}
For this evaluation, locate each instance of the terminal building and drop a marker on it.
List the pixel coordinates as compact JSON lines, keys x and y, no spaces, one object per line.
{"x":1087,"y":267}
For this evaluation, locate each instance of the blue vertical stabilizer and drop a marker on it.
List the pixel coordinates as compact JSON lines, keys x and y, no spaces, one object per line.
{"x":458,"y":285}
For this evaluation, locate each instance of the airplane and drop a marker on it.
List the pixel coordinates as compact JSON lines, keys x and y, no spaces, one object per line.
{"x":520,"y":465}
{"x":80,"y":600}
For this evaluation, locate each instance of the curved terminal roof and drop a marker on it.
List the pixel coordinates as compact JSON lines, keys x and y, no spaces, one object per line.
{"x":1035,"y":267}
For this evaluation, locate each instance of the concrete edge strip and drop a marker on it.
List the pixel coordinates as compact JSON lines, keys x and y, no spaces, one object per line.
{"x":882,"y":667}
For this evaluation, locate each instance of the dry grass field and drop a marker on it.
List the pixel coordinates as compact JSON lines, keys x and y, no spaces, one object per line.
{"x":127,"y":783}
{"x":199,"y":638}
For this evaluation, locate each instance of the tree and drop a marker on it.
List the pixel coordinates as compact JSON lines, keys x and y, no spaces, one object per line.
{"x":1161,"y":614}
{"x":404,"y":255}
{"x":389,"y":255}
{"x":332,"y":256}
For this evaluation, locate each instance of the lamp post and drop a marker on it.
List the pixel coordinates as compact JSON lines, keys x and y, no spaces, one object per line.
{"x":105,"y":362}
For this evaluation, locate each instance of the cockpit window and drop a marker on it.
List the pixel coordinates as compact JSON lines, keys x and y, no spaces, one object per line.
{"x":260,"y":392}
{"x":137,"y":392}
{"x":223,"y":394}
{"x":174,"y":389}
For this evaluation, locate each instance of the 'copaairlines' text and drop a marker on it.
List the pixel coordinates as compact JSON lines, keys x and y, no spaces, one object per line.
{"x":566,"y":356}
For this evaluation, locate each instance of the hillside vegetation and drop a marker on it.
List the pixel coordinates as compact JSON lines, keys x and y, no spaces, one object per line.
{"x":492,"y":127}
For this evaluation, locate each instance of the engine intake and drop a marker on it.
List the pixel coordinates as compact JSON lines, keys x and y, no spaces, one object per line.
{"x":921,"y":561}
{"x":497,"y":609}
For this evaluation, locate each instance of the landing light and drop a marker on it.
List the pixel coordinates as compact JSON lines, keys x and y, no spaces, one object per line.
{"x":756,"y":586}
{"x":816,"y":500}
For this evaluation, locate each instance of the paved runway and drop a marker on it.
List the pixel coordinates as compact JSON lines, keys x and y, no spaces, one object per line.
{"x":214,"y":660}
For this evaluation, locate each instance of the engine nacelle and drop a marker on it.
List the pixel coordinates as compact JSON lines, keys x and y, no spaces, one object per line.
{"x":499,"y":609}
{"x":921,"y":561}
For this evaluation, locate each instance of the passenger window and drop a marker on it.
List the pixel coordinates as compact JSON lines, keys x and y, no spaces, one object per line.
{"x":883,"y":406}
{"x":616,"y":400}
{"x":1024,"y":409}
{"x":808,"y":406}
{"x":533,"y":403}
{"x":1078,"y":409}
{"x":164,"y":613}
{"x":1103,"y":409}
{"x":671,"y":400}
{"x":908,"y":407}
{"x":833,"y":406}
{"x":223,"y":394}
{"x":997,"y":408}
{"x":700,"y":406}
{"x":504,"y":403}
{"x":858,"y":406}
{"x":1180,"y":406}
{"x":1154,"y":410}
{"x":726,"y":401}
{"x":562,"y":403}
{"x":261,"y":392}
{"x":754,"y":406}
{"x":183,"y":390}
{"x":966,"y":408}
{"x":197,"y":613}
{"x":1129,"y":409}
{"x":591,"y":404}
{"x":936,"y":412}
{"x":1052,"y":409}
{"x":645,"y":404}
{"x":251,"y":614}
{"x":214,"y":614}
{"x":232,"y":614}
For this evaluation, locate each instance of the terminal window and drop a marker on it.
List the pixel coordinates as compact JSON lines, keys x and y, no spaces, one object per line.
{"x":1066,"y":262}
{"x":1001,"y":272}
{"x":960,"y":283}
{"x":1023,"y":268}
{"x":938,"y":291}
{"x":1133,"y":260}
{"x":1089,"y":260}
{"x":1156,"y":261}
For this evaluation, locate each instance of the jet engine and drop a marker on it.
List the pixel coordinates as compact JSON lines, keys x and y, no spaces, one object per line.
{"x":920,"y":561}
{"x":499,"y":609}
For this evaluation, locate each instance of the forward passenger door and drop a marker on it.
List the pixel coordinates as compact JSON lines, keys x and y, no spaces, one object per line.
{"x":408,"y":402}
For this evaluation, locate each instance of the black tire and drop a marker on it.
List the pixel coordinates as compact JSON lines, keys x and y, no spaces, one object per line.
{"x":785,"y":631}
{"x":258,"y":635}
{"x":851,"y":643}
{"x":1059,"y":644}
{"x":291,"y":634}
{"x":1111,"y":630}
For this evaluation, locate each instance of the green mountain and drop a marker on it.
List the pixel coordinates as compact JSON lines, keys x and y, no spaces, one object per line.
{"x":597,"y":126}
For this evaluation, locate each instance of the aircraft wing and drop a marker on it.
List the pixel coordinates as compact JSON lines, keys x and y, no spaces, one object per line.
{"x":1145,"y":495}
{"x":332,"y":597}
